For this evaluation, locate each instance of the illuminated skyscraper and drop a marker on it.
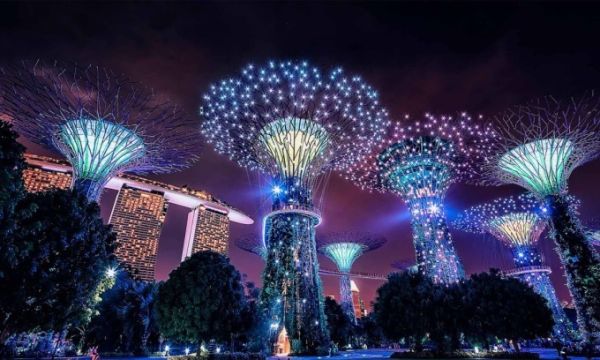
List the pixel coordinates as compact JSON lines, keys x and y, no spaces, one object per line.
{"x":208,"y":221}
{"x":37,"y":177}
{"x":137,"y":219}
{"x":207,"y":229}
{"x":357,"y":303}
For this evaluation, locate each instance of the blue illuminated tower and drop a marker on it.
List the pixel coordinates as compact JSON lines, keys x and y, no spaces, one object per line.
{"x":293,"y":123}
{"x":343,"y":249}
{"x":101,"y":122}
{"x":518,"y":222}
{"x":419,"y":162}
{"x":539,"y":145}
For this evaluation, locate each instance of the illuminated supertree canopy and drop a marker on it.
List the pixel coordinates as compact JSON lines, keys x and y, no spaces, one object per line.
{"x":101,"y":122}
{"x":515,"y":220}
{"x":419,"y":162}
{"x":539,"y":145}
{"x":292,"y":122}
{"x":343,"y":249}
{"x":518,"y":222}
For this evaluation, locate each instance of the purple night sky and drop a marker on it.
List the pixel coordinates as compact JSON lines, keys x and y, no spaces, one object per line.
{"x":434,"y":57}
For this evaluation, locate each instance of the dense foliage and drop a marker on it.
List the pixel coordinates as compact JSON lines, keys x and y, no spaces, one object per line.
{"x":292,"y":291}
{"x":504,"y":308}
{"x":59,"y":258}
{"x":412,"y":308}
{"x":11,"y":168}
{"x":403,"y":307}
{"x":341,"y":328}
{"x":51,"y":268}
{"x":202,"y":300}
{"x":125,"y":322}
{"x":582,"y":265}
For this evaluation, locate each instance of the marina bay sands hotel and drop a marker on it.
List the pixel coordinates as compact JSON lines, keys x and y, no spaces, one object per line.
{"x":139,"y":211}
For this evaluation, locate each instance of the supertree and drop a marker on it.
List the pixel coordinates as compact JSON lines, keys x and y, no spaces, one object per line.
{"x":343,"y":249}
{"x":420,"y":162}
{"x":101,"y":122}
{"x":518,"y":222}
{"x":538,"y":147}
{"x":288,"y":121}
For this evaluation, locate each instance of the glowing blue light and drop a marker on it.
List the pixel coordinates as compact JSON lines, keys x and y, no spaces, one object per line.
{"x":111,"y":272}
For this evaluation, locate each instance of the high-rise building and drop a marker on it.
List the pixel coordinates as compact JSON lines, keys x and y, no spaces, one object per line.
{"x":37,"y":177}
{"x":137,"y":219}
{"x":139,"y":212}
{"x":207,"y":229}
{"x":357,"y":302}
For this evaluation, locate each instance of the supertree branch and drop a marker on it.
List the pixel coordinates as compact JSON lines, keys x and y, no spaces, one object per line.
{"x":101,"y":122}
{"x":539,"y":145}
{"x":518,"y":222}
{"x":343,"y":249}
{"x":252,"y":244}
{"x":419,"y":162}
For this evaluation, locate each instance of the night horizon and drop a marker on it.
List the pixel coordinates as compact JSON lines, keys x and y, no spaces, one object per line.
{"x":420,"y":57}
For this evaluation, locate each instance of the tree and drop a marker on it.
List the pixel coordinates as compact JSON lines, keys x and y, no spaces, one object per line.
{"x":203,"y":299}
{"x":11,"y":168}
{"x":59,"y":258}
{"x":340,"y":326}
{"x":125,"y":319}
{"x":370,"y":331}
{"x":11,"y":192}
{"x":446,"y":316}
{"x":505,"y":308}
{"x":403,"y":306}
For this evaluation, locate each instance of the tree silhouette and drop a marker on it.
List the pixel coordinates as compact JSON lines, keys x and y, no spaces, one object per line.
{"x":202,"y":300}
{"x":58,"y":260}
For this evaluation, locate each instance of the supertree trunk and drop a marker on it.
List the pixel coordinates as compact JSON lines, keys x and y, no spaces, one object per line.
{"x":563,"y":329}
{"x":346,"y":297}
{"x":435,"y":252}
{"x":582,"y":266}
{"x":292,"y":291}
{"x":91,"y":189}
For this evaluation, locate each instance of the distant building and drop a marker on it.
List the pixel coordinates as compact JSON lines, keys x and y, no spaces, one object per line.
{"x":357,"y":302}
{"x":207,"y":229}
{"x":37,"y":178}
{"x":139,"y":212}
{"x":137,"y":219}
